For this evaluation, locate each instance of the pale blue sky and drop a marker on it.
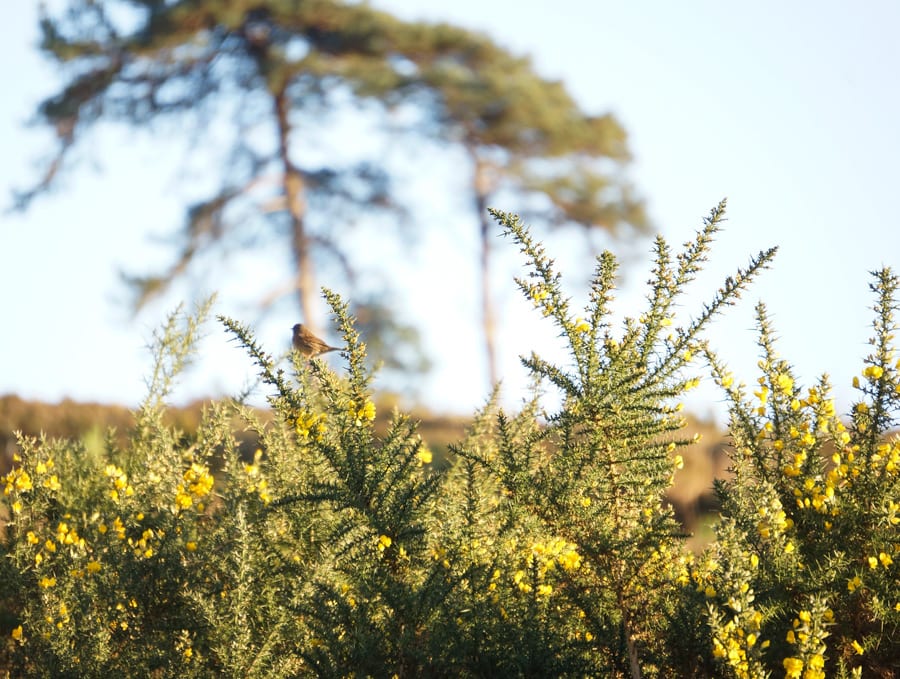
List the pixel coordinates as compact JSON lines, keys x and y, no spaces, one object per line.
{"x":790,"y":110}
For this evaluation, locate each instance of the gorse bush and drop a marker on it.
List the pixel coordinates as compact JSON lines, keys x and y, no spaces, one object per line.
{"x":803,"y":569}
{"x":544,"y":549}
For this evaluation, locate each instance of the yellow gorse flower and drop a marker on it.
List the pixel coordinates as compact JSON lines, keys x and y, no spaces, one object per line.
{"x":200,"y":479}
{"x":538,"y":294}
{"x":308,"y":423}
{"x":198,"y":483}
{"x":792,"y":667}
{"x":365,"y":412}
{"x":873,"y":372}
{"x":785,"y":384}
{"x":17,"y":479}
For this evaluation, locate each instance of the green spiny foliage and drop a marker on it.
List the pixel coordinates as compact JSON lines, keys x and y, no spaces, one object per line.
{"x":360,"y":502}
{"x":802,"y":577}
{"x":586,"y":487}
{"x":545,"y":549}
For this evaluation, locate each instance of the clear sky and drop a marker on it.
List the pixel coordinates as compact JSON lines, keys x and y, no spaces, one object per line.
{"x":790,"y":110}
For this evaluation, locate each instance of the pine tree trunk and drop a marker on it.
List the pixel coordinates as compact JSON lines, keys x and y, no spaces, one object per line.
{"x":483,"y":187}
{"x":293,"y":185}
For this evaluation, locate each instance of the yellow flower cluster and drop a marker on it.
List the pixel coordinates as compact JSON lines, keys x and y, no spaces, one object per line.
{"x":122,"y":613}
{"x":887,"y":457}
{"x":520,"y":582}
{"x":785,"y":384}
{"x":733,"y":644}
{"x":143,"y":547}
{"x":773,"y":521}
{"x":815,"y":494}
{"x":891,"y":512}
{"x":60,"y":620}
{"x":821,"y":492}
{"x":807,"y":634}
{"x":440,"y":554}
{"x":17,"y":479}
{"x":883,"y":558}
{"x":538,"y":293}
{"x":255,"y":482}
{"x":425,"y":455}
{"x":362,"y":413}
{"x":119,"y":479}
{"x":65,"y":537}
{"x":117,"y":525}
{"x":68,"y":536}
{"x":736,"y":638}
{"x":873,"y":373}
{"x":544,"y":557}
{"x":556,"y":552}
{"x":703,"y":575}
{"x":813,"y":490}
{"x":310,"y":424}
{"x":803,"y":440}
{"x":763,"y":396}
{"x":198,"y":483}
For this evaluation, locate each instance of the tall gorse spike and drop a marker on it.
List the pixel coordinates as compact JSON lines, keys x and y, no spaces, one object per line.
{"x":881,"y":370}
{"x":172,"y":348}
{"x":595,"y":475}
{"x":269,"y":373}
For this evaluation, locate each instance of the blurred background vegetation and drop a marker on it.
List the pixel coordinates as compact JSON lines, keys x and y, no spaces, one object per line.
{"x":691,"y":496}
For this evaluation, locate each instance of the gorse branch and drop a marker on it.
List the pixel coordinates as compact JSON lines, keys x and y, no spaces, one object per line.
{"x":641,"y":359}
{"x":881,"y":387}
{"x":691,"y":259}
{"x":172,"y":348}
{"x":268,"y":371}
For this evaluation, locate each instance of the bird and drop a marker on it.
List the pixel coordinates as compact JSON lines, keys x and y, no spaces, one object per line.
{"x":307,"y":344}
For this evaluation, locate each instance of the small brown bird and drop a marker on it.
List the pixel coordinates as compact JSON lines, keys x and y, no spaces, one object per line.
{"x":308,"y":344}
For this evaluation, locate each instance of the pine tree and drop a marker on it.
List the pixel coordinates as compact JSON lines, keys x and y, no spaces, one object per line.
{"x":283,"y":66}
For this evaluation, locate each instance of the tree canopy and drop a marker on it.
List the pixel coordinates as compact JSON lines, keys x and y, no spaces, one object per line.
{"x":282,"y":66}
